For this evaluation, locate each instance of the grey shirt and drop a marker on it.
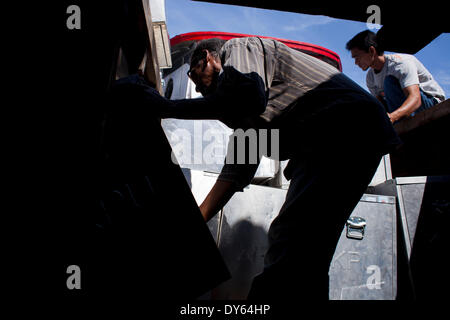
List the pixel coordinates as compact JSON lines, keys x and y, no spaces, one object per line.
{"x":409,"y":71}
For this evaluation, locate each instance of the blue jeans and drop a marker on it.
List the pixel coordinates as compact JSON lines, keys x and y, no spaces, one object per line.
{"x":394,"y":96}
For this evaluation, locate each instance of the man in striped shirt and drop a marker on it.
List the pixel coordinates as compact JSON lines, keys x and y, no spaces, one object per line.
{"x":333,"y":132}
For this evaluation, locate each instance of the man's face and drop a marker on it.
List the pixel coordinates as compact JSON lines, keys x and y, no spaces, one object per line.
{"x":363,"y":59}
{"x":204,"y":75}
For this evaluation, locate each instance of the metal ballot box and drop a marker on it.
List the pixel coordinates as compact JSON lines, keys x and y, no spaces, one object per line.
{"x":364,"y":264}
{"x":424,"y":216}
{"x":243,"y":241}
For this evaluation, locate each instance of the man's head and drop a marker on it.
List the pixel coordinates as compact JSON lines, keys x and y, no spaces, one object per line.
{"x":206,"y":65}
{"x":365,"y":48}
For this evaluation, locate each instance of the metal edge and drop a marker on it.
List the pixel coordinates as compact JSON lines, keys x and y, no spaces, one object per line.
{"x":219,"y":227}
{"x":394,"y":253}
{"x":404,"y":223}
{"x":411,"y":180}
{"x":387,"y":166}
{"x":375,"y":198}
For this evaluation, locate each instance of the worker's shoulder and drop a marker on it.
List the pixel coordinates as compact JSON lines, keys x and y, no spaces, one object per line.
{"x":400,"y":58}
{"x":241,"y":41}
{"x":245,"y":43}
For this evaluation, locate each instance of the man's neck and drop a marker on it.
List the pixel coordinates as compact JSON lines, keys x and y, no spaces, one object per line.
{"x":378,"y":63}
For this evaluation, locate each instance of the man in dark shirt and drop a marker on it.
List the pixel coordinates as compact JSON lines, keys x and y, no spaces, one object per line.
{"x":333,"y":132}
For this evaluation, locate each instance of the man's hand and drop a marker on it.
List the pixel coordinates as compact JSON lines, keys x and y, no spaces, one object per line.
{"x":206,"y":215}
{"x":392,"y":117}
{"x":411,"y":104}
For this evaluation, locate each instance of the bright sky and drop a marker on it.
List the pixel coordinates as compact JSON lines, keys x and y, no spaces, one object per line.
{"x":183,"y":16}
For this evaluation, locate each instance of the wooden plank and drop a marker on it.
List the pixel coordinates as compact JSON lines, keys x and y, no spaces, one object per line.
{"x":424,"y":151}
{"x":150,"y":65}
{"x":422,"y":118}
{"x":162,"y":45}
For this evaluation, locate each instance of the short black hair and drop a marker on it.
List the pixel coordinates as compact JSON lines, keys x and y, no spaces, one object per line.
{"x":364,"y":40}
{"x":213,"y":45}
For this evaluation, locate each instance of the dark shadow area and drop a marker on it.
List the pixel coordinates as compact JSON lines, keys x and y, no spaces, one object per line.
{"x":425,"y":148}
{"x":405,"y":286}
{"x":149,"y":235}
{"x":108,"y":197}
{"x":242,"y":247}
{"x":429,"y":257}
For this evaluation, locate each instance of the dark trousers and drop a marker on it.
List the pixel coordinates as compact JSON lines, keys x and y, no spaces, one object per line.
{"x":323,"y":192}
{"x":395,"y":96}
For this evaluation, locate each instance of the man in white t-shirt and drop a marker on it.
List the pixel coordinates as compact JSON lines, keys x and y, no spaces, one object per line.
{"x":399,"y":81}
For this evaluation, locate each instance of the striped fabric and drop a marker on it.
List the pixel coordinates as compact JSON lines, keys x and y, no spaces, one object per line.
{"x":318,"y":109}
{"x":289,"y":73}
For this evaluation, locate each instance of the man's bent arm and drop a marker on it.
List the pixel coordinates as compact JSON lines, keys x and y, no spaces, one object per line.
{"x":411,"y":104}
{"x":220,"y":194}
